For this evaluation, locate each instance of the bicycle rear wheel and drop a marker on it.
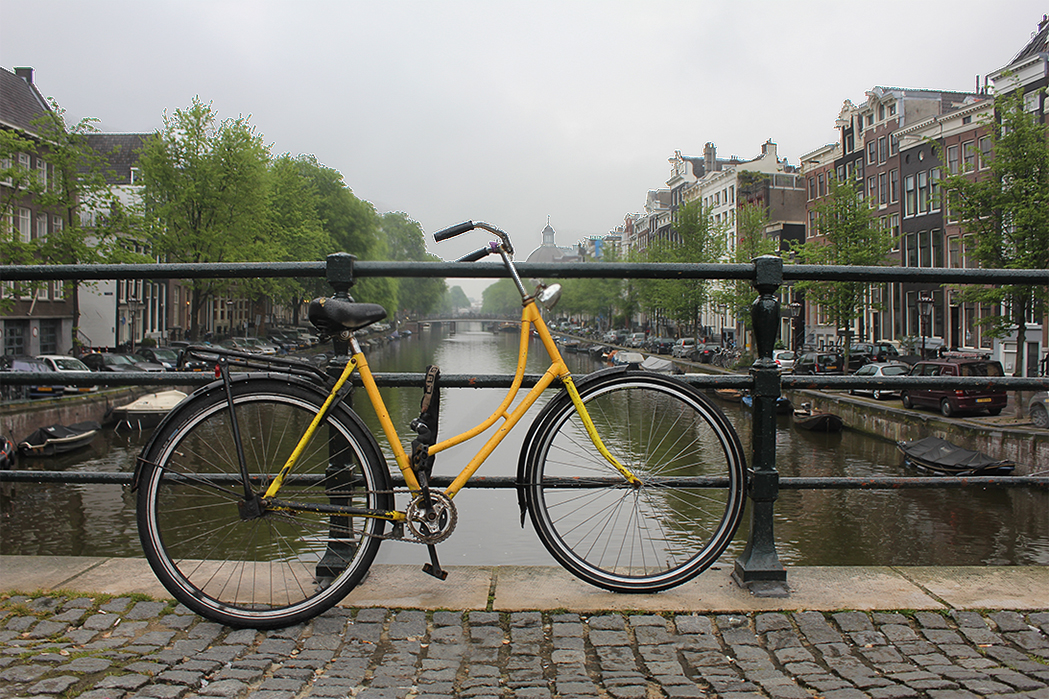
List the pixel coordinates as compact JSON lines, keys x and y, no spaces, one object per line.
{"x":280,"y":566}
{"x":653,"y":536}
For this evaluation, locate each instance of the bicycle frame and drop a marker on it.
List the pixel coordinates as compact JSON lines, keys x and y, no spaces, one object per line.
{"x":530,"y":317}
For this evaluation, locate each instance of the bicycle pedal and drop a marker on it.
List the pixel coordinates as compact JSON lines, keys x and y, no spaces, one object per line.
{"x":439,"y":573}
{"x":434,"y":567}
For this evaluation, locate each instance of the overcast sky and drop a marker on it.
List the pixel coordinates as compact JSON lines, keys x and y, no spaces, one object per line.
{"x":506,"y":111}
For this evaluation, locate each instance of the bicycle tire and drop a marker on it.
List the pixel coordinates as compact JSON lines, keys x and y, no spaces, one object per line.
{"x":280,"y":568}
{"x":636,"y":539}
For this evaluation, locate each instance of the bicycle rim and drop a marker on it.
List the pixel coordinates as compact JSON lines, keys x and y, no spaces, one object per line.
{"x":284,"y":566}
{"x":647,"y":538}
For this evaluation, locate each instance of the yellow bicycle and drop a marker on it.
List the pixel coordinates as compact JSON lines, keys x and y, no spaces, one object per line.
{"x":263,"y":497}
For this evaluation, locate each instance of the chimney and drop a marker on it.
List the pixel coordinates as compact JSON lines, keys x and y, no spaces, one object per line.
{"x":710,"y":157}
{"x":25,"y":73}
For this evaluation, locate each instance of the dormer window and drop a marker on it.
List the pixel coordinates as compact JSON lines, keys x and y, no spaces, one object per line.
{"x":136,"y":176}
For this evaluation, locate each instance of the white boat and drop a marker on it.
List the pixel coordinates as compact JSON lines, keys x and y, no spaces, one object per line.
{"x":147,"y":411}
{"x":658,"y":365}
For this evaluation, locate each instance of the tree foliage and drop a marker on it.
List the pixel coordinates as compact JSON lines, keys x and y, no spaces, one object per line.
{"x":206,"y":195}
{"x":850,"y":237}
{"x":751,"y":242}
{"x":695,"y":238}
{"x":406,"y":241}
{"x":1006,"y":214}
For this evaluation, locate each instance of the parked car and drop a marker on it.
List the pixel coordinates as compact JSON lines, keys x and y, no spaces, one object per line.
{"x":1038,"y":409}
{"x":48,"y":388}
{"x":819,"y":363}
{"x":661,"y":345}
{"x":635,"y":340}
{"x":684,"y":347}
{"x":784,"y":359}
{"x":875,"y":369}
{"x":166,"y":357}
{"x":704,"y":353}
{"x":955,"y":400}
{"x":881,"y":351}
{"x":64,"y":363}
{"x":113,"y":361}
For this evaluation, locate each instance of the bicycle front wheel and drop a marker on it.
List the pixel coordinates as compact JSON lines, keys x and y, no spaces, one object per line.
{"x":654,"y":535}
{"x":282,"y":564}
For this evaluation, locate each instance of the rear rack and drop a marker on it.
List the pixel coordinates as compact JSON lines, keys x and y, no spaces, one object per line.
{"x":246,"y":360}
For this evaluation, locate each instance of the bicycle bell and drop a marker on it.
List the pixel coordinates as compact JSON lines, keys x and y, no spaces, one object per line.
{"x":548,"y":295}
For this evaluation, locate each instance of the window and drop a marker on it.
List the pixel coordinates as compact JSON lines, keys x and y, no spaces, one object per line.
{"x":820,"y":185}
{"x":872,"y":188}
{"x":910,"y":196}
{"x":924,"y":250}
{"x":954,"y":252}
{"x":937,"y":248}
{"x":41,"y":172}
{"x":883,"y":149}
{"x":850,"y":143}
{"x":952,"y":160}
{"x":841,"y":173}
{"x":911,"y":258}
{"x":883,"y":189}
{"x":49,"y":336}
{"x":894,"y":228}
{"x":859,"y":170}
{"x":894,"y":186}
{"x":894,"y":145}
{"x":892,"y":109}
{"x":812,"y":188}
{"x":56,"y":223}
{"x":25,"y":224}
{"x":15,"y":333}
{"x":872,"y":152}
{"x":41,"y":226}
{"x":881,"y":112}
{"x":59,"y":291}
{"x":934,"y":189}
{"x":968,"y":156}
{"x":923,"y":192}
{"x":985,"y":152}
{"x":5,"y":166}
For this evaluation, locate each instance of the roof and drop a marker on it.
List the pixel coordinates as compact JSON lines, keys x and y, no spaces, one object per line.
{"x":121,"y":151}
{"x":20,"y":102}
{"x":1038,"y":44}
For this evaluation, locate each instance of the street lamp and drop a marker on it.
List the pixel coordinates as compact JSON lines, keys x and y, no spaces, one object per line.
{"x":925,"y":303}
{"x":795,"y":311}
{"x":132,"y":307}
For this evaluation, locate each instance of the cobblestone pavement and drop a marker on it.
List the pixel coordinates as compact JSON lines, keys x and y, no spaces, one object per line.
{"x":63,"y":646}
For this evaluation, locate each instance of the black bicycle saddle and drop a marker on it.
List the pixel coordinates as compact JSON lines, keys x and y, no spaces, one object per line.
{"x":332,"y":314}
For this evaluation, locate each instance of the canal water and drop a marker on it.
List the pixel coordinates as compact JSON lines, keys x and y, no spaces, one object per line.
{"x":812,"y":527}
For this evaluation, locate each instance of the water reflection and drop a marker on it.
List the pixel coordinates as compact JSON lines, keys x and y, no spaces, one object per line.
{"x":834,"y":527}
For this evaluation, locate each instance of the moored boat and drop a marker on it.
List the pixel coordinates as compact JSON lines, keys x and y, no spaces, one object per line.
{"x":59,"y":439}
{"x":7,"y":453}
{"x":146,"y":411}
{"x":729,"y":395}
{"x":658,"y":365}
{"x":806,"y":418}
{"x":940,"y":456}
{"x":783,"y":404}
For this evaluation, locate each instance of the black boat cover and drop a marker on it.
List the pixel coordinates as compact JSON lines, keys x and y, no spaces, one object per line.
{"x":939,"y":454}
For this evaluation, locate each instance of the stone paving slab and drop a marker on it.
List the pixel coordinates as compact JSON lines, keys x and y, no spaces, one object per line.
{"x":829,"y":588}
{"x":1006,"y":587}
{"x":42,"y":572}
{"x":407,"y":586}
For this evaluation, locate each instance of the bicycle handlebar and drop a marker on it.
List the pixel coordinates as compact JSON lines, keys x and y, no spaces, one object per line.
{"x":477,"y":254}
{"x":452,"y":231}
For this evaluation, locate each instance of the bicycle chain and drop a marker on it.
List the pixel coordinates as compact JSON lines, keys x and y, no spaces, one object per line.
{"x":403,"y":526}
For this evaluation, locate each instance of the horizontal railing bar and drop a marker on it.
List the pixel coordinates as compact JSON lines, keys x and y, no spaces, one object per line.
{"x":624,"y":270}
{"x":414,"y":379}
{"x":503,"y":482}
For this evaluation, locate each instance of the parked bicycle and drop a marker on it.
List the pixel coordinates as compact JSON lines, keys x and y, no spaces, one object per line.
{"x":263,"y":497}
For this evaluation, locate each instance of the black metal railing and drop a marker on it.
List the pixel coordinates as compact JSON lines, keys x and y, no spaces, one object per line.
{"x":758,"y":567}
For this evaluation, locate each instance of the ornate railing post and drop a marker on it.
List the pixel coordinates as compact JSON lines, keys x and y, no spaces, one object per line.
{"x":759,"y":568}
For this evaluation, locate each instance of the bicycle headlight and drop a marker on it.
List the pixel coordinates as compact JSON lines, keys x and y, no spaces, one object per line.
{"x":549,"y":296}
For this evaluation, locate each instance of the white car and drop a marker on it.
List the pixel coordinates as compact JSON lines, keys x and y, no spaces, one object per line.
{"x":784,"y":360}
{"x":683,"y":347}
{"x":65,"y":363}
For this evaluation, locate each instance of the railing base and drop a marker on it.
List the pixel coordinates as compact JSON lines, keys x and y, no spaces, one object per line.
{"x":764,"y":588}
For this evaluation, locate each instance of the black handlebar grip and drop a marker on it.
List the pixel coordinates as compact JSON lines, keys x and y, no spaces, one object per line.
{"x":475,"y":255}
{"x":453,"y":231}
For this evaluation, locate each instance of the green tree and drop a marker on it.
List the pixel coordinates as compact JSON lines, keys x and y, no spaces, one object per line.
{"x":454,"y":299}
{"x":206,"y":195}
{"x":1007,"y":214}
{"x":353,"y":226}
{"x":751,"y":242}
{"x":501,"y":298}
{"x":695,"y":238}
{"x":850,"y":236}
{"x":406,"y":241}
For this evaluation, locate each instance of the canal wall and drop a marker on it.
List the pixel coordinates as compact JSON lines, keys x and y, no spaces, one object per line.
{"x":20,"y":418}
{"x":1028,"y":447}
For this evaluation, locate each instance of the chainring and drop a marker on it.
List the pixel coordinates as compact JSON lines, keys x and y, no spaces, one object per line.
{"x":434,"y":525}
